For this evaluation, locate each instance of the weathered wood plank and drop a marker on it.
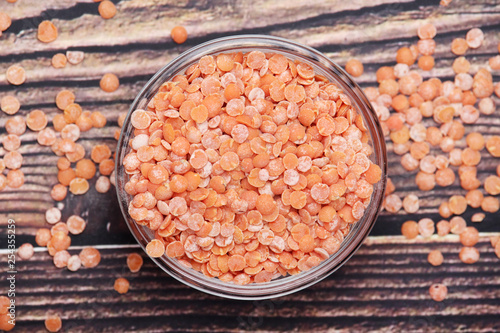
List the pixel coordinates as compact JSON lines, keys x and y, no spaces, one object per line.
{"x":326,"y":37}
{"x":382,"y":288}
{"x":238,"y":16}
{"x":379,"y":284}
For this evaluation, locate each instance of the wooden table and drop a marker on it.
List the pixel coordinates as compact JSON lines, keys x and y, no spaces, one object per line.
{"x":382,"y":288}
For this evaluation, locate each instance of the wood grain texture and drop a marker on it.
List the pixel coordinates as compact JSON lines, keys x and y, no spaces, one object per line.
{"x":329,"y":28}
{"x":371,"y":292}
{"x":382,"y":288}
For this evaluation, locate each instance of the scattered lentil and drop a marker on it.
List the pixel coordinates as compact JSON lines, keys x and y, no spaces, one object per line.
{"x":90,"y":257}
{"x":469,"y":255}
{"x":121,"y":285}
{"x":75,"y":57}
{"x":409,"y":229}
{"x":53,"y":215}
{"x":74,"y":263}
{"x":5,"y":22}
{"x":478,"y":217}
{"x":490,"y":204}
{"x":102,"y":184}
{"x":42,"y":236}
{"x":47,"y":32}
{"x":107,"y":9}
{"x":109,"y":82}
{"x":61,"y":259}
{"x":438,"y":292}
{"x":426,"y":227}
{"x":443,"y":228}
{"x":435,"y":258}
{"x":36,"y":120}
{"x":134,"y":262}
{"x":59,"y":60}
{"x":457,"y":225}
{"x":53,"y":323}
{"x":354,"y":67}
{"x":474,"y":38}
{"x":15,"y":75}
{"x":76,"y":224}
{"x":10,"y":104}
{"x":179,"y":34}
{"x":411,"y":203}
{"x":25,"y":251}
{"x":459,"y":46}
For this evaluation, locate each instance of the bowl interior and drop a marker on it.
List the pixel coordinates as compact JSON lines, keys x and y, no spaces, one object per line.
{"x":323,"y":66}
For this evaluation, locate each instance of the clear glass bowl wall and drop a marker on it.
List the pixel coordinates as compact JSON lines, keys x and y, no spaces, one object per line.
{"x":323,"y":66}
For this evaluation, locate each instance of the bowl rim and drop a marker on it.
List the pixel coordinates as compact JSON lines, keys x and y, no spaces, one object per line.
{"x":317,"y":273}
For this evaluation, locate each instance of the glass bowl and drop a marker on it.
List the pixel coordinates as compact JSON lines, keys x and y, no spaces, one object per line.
{"x":359,"y":230}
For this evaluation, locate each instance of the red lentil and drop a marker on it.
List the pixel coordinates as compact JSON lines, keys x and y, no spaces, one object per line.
{"x":469,"y":237}
{"x":457,"y":225}
{"x":47,"y":32}
{"x":11,"y":142}
{"x":474,"y":38}
{"x":75,"y":57}
{"x":179,"y":34}
{"x":36,"y":120}
{"x":411,"y":203}
{"x":459,"y":46}
{"x":42,"y":236}
{"x":4,"y":305}
{"x":443,"y":228}
{"x":405,"y":56}
{"x":354,"y":67}
{"x":5,"y":21}
{"x":15,"y":75}
{"x":90,"y":257}
{"x":438,"y":292}
{"x":490,"y":204}
{"x":134,"y":262}
{"x":109,"y":82}
{"x":103,"y":184}
{"x":10,"y":104}
{"x":426,"y":227}
{"x":76,"y":224}
{"x":478,"y":217}
{"x":74,"y":263}
{"x":100,"y":153}
{"x":25,"y":251}
{"x":409,"y":229}
{"x":59,"y":60}
{"x":15,"y":178}
{"x":435,"y":258}
{"x":121,"y":285}
{"x":107,"y":9}
{"x":493,"y":145}
{"x":53,"y":215}
{"x":426,"y":62}
{"x":58,"y":192}
{"x":5,"y":323}
{"x":61,"y":258}
{"x":53,"y":323}
{"x":469,"y":255}
{"x":78,"y":186}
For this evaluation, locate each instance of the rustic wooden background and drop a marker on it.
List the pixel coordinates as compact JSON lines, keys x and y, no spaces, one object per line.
{"x":382,"y":288}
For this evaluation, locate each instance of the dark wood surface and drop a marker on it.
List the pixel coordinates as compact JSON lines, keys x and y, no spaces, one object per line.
{"x":382,"y":288}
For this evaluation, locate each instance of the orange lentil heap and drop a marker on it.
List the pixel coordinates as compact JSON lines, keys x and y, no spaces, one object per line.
{"x":249,"y":167}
